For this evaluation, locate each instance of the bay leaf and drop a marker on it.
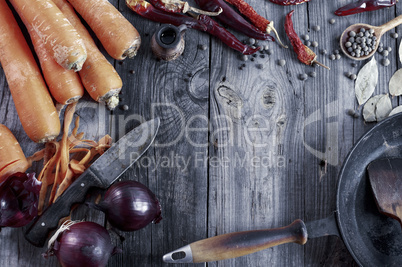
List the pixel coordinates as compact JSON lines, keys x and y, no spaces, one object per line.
{"x":366,"y":81}
{"x":369,"y":110}
{"x":400,"y":52}
{"x":395,"y":83}
{"x":396,"y":110}
{"x":383,"y":107}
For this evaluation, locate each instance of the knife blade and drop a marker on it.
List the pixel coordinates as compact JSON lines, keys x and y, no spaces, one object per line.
{"x":102,"y":173}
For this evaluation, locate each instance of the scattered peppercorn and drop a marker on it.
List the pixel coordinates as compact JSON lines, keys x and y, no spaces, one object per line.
{"x":312,"y":74}
{"x":385,"y":61}
{"x":281,"y":62}
{"x":389,"y":49}
{"x":269,"y":52}
{"x":306,"y":37}
{"x":332,"y":57}
{"x":244,"y":57}
{"x":251,"y":41}
{"x":352,"y":113}
{"x":353,"y":64}
{"x":338,"y":56}
{"x":332,"y":21}
{"x":131,"y":71}
{"x":385,"y":53}
{"x":353,"y":77}
{"x":308,"y":43}
{"x":303,"y":77}
{"x":260,"y":66}
{"x":316,"y":28}
{"x":202,"y":47}
{"x":348,"y":74}
{"x":323,"y":51}
{"x":314,"y":44}
{"x":394,"y":35}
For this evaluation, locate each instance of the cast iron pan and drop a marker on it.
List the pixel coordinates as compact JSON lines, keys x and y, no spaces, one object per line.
{"x":372,"y":238}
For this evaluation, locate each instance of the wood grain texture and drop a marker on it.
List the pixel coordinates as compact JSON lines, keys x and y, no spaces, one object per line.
{"x":243,"y":145}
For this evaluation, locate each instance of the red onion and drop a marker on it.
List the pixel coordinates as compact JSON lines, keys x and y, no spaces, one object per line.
{"x":130,"y":206}
{"x":84,"y":244}
{"x":19,"y":195}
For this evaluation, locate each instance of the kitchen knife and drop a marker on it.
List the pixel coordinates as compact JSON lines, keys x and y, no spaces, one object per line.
{"x":102,"y":173}
{"x":238,"y":244}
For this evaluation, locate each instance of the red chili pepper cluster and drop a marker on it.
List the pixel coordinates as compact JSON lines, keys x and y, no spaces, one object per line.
{"x":363,"y":6}
{"x":159,"y":11}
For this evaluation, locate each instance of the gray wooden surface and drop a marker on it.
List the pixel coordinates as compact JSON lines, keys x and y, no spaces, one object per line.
{"x":244,"y":148}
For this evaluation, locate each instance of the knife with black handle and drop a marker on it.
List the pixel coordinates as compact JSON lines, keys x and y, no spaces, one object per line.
{"x":102,"y":173}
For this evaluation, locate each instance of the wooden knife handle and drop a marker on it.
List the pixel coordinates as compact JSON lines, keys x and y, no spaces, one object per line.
{"x":238,"y":244}
{"x":39,"y":230}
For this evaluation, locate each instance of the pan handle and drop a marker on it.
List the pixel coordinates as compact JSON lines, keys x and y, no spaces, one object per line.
{"x":237,"y":244}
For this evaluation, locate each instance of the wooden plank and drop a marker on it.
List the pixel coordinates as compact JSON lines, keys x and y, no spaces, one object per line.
{"x":254,"y":115}
{"x":177,"y":93}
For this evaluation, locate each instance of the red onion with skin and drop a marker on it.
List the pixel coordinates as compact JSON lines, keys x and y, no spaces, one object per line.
{"x":19,"y":195}
{"x":129,"y":206}
{"x":85,"y":244}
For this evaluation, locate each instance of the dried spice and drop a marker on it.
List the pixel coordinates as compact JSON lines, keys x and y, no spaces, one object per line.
{"x":366,"y":81}
{"x":288,"y":2}
{"x":233,"y":19}
{"x":377,"y":108}
{"x":400,"y":52}
{"x":383,"y":107}
{"x":396,"y":110}
{"x":395,"y":88}
{"x":178,"y":6}
{"x":363,"y":6}
{"x":304,"y":54}
{"x":259,"y":21}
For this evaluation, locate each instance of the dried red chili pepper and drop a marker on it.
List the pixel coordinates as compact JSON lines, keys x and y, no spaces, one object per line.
{"x":363,"y":6}
{"x":259,"y":21}
{"x":304,"y":54}
{"x":226,"y":37}
{"x":288,"y":2}
{"x":146,"y":10}
{"x":177,"y":6}
{"x":200,"y":22}
{"x":233,"y":19}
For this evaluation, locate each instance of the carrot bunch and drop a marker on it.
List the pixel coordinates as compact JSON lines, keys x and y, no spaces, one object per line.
{"x":69,"y":58}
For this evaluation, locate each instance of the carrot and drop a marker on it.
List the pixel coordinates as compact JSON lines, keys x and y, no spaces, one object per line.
{"x":64,"y":85}
{"x":56,"y":32}
{"x":32,"y":100}
{"x":12,"y":159}
{"x":117,"y":35}
{"x":98,"y":76}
